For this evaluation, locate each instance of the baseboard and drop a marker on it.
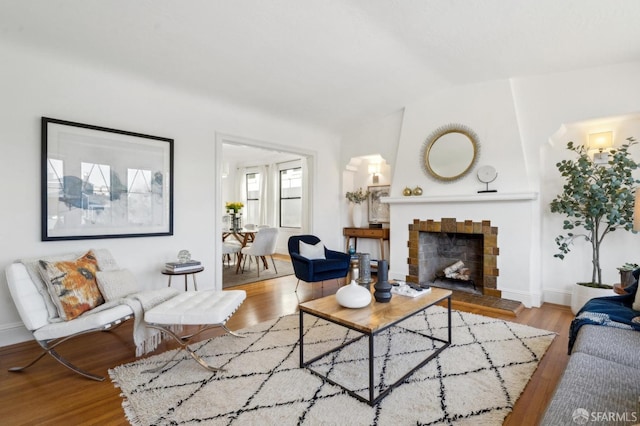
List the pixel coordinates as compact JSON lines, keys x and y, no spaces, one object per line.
{"x":13,"y":333}
{"x":557,"y":297}
{"x":527,"y":299}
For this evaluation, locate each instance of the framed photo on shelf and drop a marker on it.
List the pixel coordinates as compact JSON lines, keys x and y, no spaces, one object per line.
{"x":104,"y":183}
{"x":378,"y":212}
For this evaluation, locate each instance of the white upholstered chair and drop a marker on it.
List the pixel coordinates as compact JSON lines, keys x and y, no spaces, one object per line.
{"x":263,"y":245}
{"x":230,"y":248}
{"x":34,"y":313}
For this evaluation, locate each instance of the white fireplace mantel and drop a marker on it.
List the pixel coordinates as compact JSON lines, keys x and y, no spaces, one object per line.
{"x":515,"y":214}
{"x":462,"y":198}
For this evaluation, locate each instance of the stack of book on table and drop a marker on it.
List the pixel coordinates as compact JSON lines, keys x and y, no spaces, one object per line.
{"x":191,"y":265}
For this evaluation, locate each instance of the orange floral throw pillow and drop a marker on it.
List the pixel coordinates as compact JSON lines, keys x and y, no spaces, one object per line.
{"x":72,"y":285}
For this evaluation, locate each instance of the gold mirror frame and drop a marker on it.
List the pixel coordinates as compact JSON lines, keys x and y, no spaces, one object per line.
{"x":436,"y":136}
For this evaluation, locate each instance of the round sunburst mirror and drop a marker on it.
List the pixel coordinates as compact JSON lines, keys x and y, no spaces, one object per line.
{"x":450,"y":152}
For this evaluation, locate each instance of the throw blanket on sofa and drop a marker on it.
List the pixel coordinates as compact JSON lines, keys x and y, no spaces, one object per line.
{"x":613,"y":311}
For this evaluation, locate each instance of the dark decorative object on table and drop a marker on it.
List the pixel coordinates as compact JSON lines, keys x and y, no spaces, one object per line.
{"x":364,"y":277}
{"x":383,"y":288}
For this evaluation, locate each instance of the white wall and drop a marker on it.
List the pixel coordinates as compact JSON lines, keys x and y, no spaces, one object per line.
{"x":35,"y":84}
{"x":584,"y":102}
{"x":515,"y":120}
{"x":377,"y":137}
{"x":488,"y":109}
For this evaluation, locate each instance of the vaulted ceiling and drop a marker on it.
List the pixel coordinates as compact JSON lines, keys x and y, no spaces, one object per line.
{"x":330,"y":63}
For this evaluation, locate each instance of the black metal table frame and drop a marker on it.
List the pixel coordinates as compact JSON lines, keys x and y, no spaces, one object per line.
{"x":373,"y":400}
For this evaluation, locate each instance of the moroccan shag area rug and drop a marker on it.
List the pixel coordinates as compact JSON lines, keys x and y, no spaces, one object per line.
{"x":476,"y":380}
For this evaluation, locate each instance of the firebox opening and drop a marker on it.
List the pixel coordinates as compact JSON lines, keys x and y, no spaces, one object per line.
{"x":452,"y":260}
{"x":435,"y":246}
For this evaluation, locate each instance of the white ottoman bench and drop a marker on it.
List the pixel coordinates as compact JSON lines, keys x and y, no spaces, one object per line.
{"x":206,"y":309}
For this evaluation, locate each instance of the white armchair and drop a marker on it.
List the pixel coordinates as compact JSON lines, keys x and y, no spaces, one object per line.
{"x":49,"y":333}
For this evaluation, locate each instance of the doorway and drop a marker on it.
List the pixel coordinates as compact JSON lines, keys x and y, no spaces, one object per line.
{"x":236,"y":156}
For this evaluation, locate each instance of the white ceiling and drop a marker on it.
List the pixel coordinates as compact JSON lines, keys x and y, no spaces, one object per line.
{"x":331,"y":63}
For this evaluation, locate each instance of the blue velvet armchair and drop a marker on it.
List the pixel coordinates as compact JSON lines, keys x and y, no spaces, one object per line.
{"x":336,"y":264}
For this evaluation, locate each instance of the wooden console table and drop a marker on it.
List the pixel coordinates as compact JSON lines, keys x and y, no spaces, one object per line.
{"x":380,"y":234}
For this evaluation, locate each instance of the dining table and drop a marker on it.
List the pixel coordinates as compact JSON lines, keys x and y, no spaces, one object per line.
{"x":242,"y":235}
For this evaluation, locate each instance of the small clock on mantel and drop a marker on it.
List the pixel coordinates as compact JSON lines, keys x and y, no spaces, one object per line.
{"x":486,"y":175}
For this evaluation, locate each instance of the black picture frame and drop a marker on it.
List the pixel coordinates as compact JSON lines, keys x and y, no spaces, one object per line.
{"x":98,"y":182}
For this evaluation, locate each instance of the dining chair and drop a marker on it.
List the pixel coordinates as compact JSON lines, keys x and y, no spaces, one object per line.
{"x":226,"y":223}
{"x":231,"y":248}
{"x":263,"y":245}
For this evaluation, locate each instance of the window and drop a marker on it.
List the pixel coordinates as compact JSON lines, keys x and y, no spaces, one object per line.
{"x":291,"y":198}
{"x":252,"y":209}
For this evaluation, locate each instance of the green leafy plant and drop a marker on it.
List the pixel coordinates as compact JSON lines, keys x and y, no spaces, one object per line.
{"x":597,"y":198}
{"x":627,"y":267}
{"x":359,"y":196}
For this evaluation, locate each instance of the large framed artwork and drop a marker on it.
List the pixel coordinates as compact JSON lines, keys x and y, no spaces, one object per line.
{"x":104,"y":183}
{"x":378,"y":212}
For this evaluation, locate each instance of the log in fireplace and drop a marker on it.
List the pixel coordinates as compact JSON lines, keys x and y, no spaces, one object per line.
{"x":434,"y":246}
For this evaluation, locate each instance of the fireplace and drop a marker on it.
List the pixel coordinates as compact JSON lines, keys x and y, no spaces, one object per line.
{"x":433,"y":246}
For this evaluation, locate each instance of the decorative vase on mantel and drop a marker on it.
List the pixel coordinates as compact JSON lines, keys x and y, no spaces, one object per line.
{"x":358,"y":215}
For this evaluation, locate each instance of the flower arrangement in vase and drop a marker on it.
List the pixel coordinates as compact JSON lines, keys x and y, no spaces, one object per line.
{"x":233,"y":207}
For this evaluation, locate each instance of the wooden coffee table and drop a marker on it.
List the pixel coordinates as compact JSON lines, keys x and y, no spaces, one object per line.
{"x":371,"y":320}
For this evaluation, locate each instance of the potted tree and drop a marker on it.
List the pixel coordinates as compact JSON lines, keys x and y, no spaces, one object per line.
{"x":597,"y":199}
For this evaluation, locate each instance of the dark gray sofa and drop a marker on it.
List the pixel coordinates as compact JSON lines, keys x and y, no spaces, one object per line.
{"x":601,"y":384}
{"x":602,"y":378}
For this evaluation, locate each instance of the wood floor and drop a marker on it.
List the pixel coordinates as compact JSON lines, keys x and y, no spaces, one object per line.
{"x":49,"y":394}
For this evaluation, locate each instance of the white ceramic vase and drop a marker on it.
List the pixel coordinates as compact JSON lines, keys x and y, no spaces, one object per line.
{"x":358,"y":213}
{"x":353,"y":296}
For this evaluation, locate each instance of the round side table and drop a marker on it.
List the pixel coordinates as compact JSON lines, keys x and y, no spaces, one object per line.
{"x":191,"y":272}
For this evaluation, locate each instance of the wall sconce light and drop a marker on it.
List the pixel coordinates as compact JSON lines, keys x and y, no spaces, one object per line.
{"x":374,"y":169}
{"x":636,"y":211}
{"x":600,"y":142}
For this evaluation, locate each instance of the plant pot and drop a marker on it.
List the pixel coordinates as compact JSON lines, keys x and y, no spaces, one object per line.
{"x":582,"y":294}
{"x":358,"y":214}
{"x":626,"y":278}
